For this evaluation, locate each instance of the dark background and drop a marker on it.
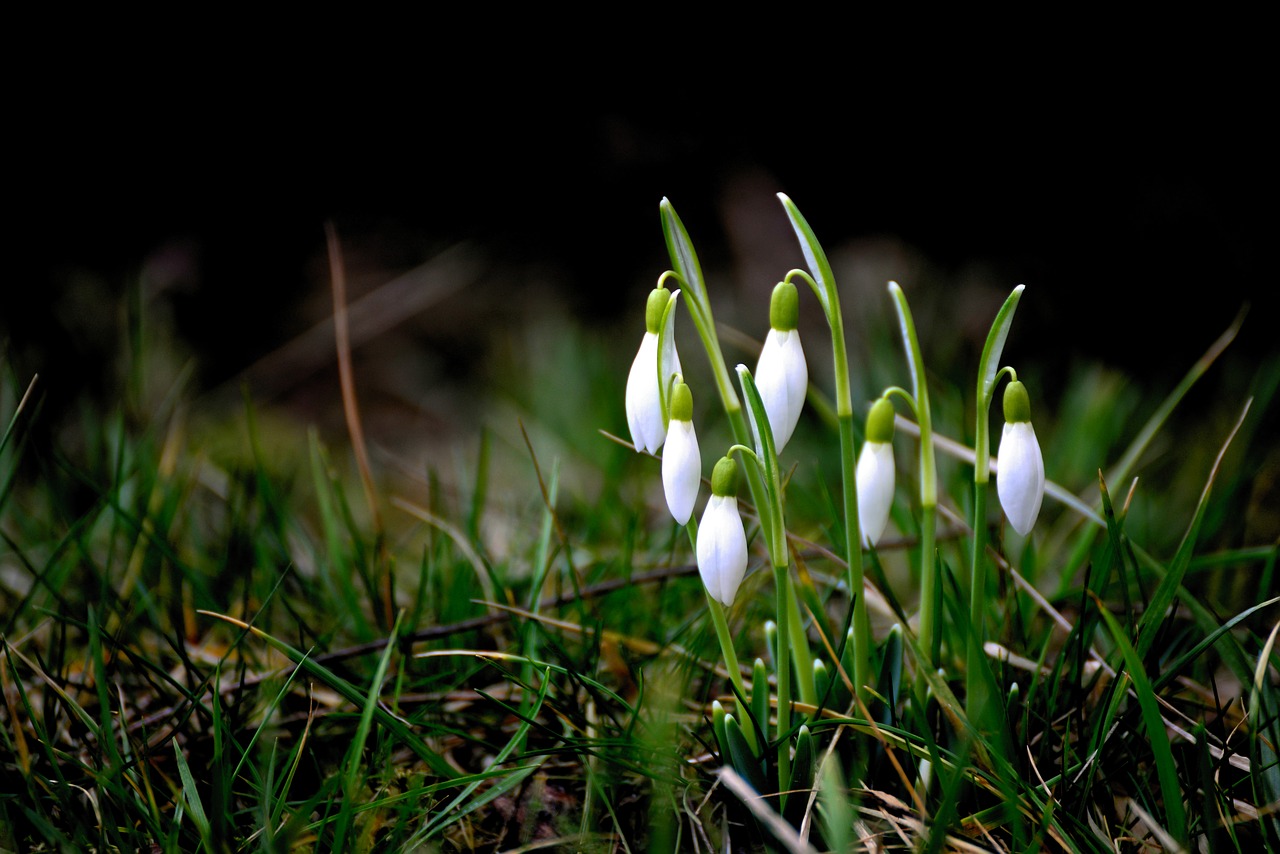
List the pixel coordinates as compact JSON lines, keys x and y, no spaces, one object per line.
{"x":1136,"y":202}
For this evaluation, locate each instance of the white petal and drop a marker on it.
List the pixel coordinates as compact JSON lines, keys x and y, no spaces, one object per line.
{"x":875,"y":478}
{"x":644,"y":408}
{"x":681,"y":470}
{"x":782,"y":377}
{"x":1020,"y":475}
{"x":722,"y":548}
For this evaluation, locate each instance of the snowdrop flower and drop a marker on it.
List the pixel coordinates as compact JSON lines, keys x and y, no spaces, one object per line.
{"x":781,"y":374}
{"x":681,"y":461}
{"x":722,"y":541}
{"x":644,"y":400}
{"x":1020,"y":467}
{"x":875,"y":473}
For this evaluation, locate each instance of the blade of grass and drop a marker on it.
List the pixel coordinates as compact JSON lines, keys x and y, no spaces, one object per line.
{"x":191,"y":800}
{"x":398,"y":728}
{"x":355,"y":765}
{"x":337,"y":569}
{"x":1157,"y":737}
{"x":1120,"y":471}
{"x":447,"y":814}
{"x":1167,"y":590}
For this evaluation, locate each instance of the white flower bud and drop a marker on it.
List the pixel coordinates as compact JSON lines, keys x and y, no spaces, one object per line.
{"x":681,"y":461}
{"x":875,"y":473}
{"x":1019,"y":464}
{"x":1020,"y":475}
{"x":722,"y":541}
{"x":782,"y":375}
{"x":875,"y":478}
{"x":644,"y":400}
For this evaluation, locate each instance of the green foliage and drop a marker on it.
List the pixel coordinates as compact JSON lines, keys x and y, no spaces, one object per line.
{"x":198,"y":651}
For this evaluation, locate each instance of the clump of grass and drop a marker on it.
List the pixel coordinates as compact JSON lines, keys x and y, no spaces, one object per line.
{"x":257,"y":650}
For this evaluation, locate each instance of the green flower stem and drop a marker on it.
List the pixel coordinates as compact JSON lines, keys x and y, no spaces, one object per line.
{"x":823,"y":284}
{"x":780,"y":580}
{"x":727,"y":652}
{"x":766,"y":457}
{"x":790,"y":624}
{"x":779,"y":556}
{"x":930,"y":636}
{"x":976,"y":701}
{"x":800,"y":653}
{"x":689,"y":273}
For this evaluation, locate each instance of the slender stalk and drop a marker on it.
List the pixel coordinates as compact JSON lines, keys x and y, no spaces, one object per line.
{"x":766,"y":457}
{"x":988,"y":376}
{"x":800,"y":646}
{"x":823,"y":284}
{"x":930,"y":636}
{"x":725,"y":637}
{"x":689,"y":272}
{"x":780,"y":578}
{"x":973,"y":698}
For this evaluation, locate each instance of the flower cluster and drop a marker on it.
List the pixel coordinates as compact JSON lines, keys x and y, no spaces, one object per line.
{"x":1019,"y":473}
{"x":660,"y":409}
{"x":782,"y":378}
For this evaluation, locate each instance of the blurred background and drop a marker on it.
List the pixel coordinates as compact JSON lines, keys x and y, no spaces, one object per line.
{"x":499,"y":220}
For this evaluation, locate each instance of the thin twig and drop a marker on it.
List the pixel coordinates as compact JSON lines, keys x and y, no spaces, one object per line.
{"x":351,"y":410}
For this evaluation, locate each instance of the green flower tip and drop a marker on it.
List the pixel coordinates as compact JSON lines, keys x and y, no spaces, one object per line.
{"x":681,"y":403}
{"x":658,"y":299}
{"x":784,"y":307}
{"x":880,"y":422}
{"x":724,"y":478}
{"x":1017,"y":405}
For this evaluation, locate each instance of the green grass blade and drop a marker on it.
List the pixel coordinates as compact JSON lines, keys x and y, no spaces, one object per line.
{"x":355,"y":764}
{"x":350,"y":693}
{"x":1120,"y":471}
{"x":1157,"y":737}
{"x":1167,"y":590}
{"x":448,"y":814}
{"x":191,"y":799}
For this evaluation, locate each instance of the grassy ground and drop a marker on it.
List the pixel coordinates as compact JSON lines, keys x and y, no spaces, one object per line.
{"x":233,"y":632}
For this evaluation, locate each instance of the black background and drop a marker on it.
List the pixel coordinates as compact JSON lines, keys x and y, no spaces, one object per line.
{"x":1134,"y":193}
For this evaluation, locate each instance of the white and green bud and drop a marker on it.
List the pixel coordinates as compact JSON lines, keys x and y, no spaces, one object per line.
{"x":876,"y":474}
{"x":681,"y":461}
{"x":782,"y":375}
{"x":722,"y":540}
{"x":644,"y":395}
{"x":1019,"y":463}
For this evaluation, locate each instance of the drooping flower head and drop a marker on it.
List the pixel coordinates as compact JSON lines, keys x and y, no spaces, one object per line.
{"x":681,"y":461}
{"x":644,"y":395}
{"x":722,"y":541}
{"x":1019,"y":464}
{"x":875,"y":473}
{"x":782,"y":376}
